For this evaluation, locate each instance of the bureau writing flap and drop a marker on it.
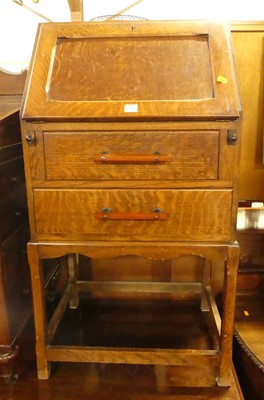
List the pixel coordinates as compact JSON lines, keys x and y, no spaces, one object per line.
{"x":132,"y":70}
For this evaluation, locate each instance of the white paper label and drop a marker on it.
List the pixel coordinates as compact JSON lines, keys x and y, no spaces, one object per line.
{"x":131,"y":108}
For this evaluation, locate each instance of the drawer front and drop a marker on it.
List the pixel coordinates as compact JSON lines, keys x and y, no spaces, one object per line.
{"x":14,"y":261}
{"x":17,"y":284}
{"x":13,"y":212}
{"x":150,"y":155}
{"x":133,"y":214}
{"x":11,"y":177}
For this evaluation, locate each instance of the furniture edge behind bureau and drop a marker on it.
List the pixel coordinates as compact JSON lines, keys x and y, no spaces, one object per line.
{"x":15,"y":287}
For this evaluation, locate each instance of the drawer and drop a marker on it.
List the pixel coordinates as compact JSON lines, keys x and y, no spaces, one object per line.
{"x":10,"y":153}
{"x":187,"y":155}
{"x":11,"y":177}
{"x":13,"y":213}
{"x":133,"y":214}
{"x":14,"y":261}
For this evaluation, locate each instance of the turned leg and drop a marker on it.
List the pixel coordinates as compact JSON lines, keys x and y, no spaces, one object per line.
{"x":229,"y":300}
{"x":39,"y":305}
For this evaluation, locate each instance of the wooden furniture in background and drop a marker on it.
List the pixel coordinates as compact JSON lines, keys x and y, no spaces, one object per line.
{"x":12,"y":86}
{"x":138,"y":157}
{"x":248,"y":40}
{"x":249,"y":316}
{"x":15,"y":286}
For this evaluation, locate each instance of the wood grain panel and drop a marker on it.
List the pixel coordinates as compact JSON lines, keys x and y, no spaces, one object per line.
{"x":248,"y":49}
{"x":167,"y":89}
{"x":132,"y":69}
{"x":192,"y":214}
{"x":191,"y":155}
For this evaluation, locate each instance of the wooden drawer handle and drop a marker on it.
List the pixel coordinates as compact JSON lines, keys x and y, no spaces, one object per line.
{"x":131,"y":158}
{"x":107,"y":214}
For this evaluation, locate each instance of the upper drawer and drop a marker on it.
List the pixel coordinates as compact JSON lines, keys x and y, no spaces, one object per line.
{"x":130,"y":155}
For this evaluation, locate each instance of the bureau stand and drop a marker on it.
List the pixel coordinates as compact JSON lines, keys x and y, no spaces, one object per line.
{"x":131,"y":140}
{"x":45,"y":331}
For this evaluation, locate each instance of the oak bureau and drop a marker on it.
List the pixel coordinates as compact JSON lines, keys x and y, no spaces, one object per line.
{"x":131,"y":137}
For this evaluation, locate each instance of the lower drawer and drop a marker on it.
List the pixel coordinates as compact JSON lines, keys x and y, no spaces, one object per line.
{"x":133,"y":214}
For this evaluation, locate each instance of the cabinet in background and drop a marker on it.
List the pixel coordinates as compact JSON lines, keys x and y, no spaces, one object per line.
{"x":15,"y":285}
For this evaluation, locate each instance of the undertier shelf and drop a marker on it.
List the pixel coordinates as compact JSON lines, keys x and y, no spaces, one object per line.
{"x":164,"y":324}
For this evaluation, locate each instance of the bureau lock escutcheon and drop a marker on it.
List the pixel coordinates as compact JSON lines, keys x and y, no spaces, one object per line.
{"x":31,"y":139}
{"x":231,"y":136}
